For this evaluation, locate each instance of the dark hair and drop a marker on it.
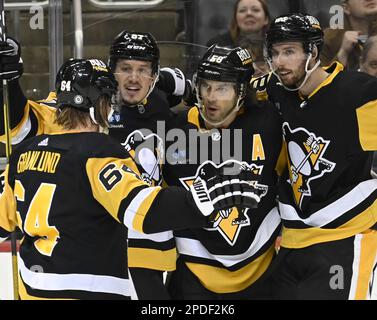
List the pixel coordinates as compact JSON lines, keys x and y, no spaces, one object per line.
{"x":234,"y":28}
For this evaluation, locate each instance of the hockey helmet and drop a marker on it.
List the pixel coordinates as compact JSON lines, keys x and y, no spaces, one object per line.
{"x":224,"y":65}
{"x":294,"y":27}
{"x":135,"y":46}
{"x":81,"y":82}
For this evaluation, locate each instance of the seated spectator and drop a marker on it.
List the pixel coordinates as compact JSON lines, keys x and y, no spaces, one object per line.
{"x":345,"y":45}
{"x":250,"y":21}
{"x":368,"y":59}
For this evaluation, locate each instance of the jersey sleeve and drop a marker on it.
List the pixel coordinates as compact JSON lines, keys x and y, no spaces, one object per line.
{"x":367,"y":117}
{"x":8,"y":218}
{"x":132,"y":202}
{"x":30,"y":118}
{"x":17,"y":103}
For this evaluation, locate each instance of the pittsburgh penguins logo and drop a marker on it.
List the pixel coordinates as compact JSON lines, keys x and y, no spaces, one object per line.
{"x":228,"y":222}
{"x":147,"y":152}
{"x":305,"y":159}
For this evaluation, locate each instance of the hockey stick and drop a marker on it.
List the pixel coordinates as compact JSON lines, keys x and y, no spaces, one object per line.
{"x":8,"y":151}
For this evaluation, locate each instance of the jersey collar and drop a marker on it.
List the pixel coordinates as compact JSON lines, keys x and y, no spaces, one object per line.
{"x":333,"y":70}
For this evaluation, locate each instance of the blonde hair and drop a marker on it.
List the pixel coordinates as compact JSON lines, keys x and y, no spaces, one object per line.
{"x":234,"y":28}
{"x":70,"y":118}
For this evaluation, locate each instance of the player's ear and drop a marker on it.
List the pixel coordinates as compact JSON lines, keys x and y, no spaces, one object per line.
{"x":315,"y":52}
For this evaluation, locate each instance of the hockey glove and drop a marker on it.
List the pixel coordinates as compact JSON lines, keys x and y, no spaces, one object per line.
{"x":172,"y":81}
{"x":11,"y":65}
{"x":213,"y":191}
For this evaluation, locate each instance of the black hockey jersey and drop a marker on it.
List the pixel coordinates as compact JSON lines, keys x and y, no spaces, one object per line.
{"x":131,"y":126}
{"x":328,"y":193}
{"x":237,"y":249}
{"x":72,"y":194}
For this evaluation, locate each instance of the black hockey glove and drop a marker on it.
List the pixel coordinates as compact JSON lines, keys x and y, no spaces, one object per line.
{"x":190,"y":98}
{"x":218,"y":189}
{"x":11,"y":65}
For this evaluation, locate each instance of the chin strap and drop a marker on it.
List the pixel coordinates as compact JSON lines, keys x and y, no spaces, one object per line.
{"x":91,"y":113}
{"x":307,"y":71}
{"x":100,"y":128}
{"x":217,"y":124}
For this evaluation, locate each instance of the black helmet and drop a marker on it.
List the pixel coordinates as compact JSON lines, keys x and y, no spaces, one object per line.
{"x":81,"y":82}
{"x":226,"y":65}
{"x":295,"y":27}
{"x":135,"y":46}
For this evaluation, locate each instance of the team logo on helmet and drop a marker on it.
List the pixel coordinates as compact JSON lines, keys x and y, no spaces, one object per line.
{"x":227,"y":222}
{"x":305,"y":159}
{"x":313,"y":22}
{"x":78,"y":99}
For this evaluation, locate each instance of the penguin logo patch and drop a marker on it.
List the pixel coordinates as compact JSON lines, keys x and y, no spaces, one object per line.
{"x":306,"y":160}
{"x":147,"y":152}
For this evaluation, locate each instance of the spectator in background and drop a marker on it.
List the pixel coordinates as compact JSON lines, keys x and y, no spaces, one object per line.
{"x":368,"y":59}
{"x":345,"y":45}
{"x":249,"y":24}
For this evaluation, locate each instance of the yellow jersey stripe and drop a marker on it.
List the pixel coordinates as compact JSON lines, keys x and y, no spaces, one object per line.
{"x":193,"y":117}
{"x":8,"y":219}
{"x":301,"y":238}
{"x":152,"y":259}
{"x":221,"y":280}
{"x":367,"y":120}
{"x":367,"y":258}
{"x":338,"y":68}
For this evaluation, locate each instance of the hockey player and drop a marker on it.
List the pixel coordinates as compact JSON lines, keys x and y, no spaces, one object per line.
{"x":73,"y":192}
{"x":135,"y":60}
{"x":228,"y":259}
{"x":328,"y":199}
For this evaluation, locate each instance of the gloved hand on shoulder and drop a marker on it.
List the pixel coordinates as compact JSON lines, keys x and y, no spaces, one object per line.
{"x":218,"y":189}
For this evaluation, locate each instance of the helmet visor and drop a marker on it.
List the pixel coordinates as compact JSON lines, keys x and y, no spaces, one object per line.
{"x":288,"y":60}
{"x":216,"y":99}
